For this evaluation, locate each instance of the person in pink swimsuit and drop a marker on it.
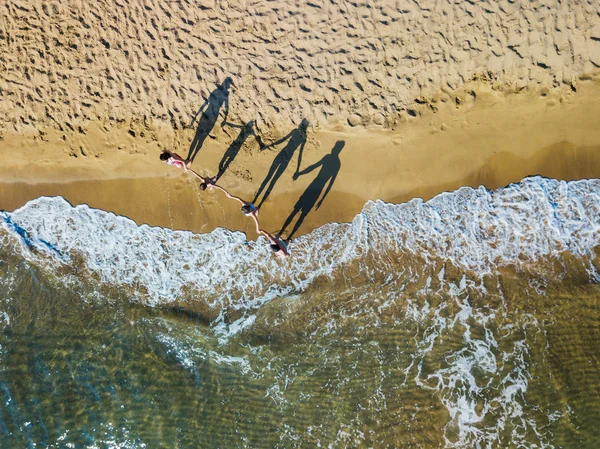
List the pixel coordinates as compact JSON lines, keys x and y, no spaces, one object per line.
{"x":175,"y":160}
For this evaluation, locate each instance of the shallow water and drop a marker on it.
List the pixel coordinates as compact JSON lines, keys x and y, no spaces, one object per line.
{"x":495,"y":345}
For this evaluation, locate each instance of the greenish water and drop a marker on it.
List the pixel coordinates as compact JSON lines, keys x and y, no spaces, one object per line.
{"x":469,"y":321}
{"x":430,"y":371}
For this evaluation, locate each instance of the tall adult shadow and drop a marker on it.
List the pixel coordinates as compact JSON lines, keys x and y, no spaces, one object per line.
{"x":297,"y":139}
{"x":330,"y":166}
{"x":230,"y":154}
{"x":209,"y":114}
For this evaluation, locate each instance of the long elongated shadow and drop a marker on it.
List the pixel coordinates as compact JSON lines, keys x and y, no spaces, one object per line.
{"x":296,"y":140}
{"x":329,"y":166}
{"x":209,"y":114}
{"x":230,"y":154}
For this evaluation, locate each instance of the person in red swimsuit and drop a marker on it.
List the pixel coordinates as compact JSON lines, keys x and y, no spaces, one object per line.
{"x":175,"y":160}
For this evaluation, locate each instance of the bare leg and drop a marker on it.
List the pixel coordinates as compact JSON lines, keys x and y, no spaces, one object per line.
{"x":256,"y":223}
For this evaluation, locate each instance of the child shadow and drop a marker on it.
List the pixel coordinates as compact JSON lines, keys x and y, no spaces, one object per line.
{"x":330,"y":166}
{"x":230,"y":154}
{"x":297,"y":139}
{"x":209,"y":113}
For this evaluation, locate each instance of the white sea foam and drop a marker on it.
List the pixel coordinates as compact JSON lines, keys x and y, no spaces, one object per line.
{"x":476,"y":229}
{"x":480,"y":229}
{"x":484,"y":377}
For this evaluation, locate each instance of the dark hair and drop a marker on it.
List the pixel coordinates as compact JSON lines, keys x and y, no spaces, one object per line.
{"x":203,"y":186}
{"x":246,"y":208}
{"x":274,"y":247}
{"x":165,"y":155}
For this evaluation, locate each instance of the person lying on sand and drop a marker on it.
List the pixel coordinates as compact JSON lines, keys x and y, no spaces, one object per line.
{"x":175,"y":160}
{"x":277,"y":245}
{"x":206,"y":182}
{"x":248,"y":209}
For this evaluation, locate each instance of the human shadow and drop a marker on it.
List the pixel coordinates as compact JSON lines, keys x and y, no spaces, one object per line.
{"x":209,"y":114}
{"x":330,"y":166}
{"x":296,"y":139}
{"x":230,"y":154}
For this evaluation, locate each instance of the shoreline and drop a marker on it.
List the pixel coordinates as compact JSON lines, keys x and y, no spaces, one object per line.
{"x":492,"y":138}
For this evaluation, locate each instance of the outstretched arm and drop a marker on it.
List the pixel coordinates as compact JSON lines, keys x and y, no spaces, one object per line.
{"x":270,"y":237}
{"x":208,"y":181}
{"x":283,"y":139}
{"x":255,"y":218}
{"x":310,"y":167}
{"x":232,"y":125}
{"x":227,"y":194}
{"x":199,"y":111}
{"x":233,"y":197}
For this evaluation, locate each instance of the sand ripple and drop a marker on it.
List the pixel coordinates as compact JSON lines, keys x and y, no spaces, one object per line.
{"x":360,"y":62}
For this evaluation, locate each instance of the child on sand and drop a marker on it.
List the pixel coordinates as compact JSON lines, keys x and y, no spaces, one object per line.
{"x":277,"y":245}
{"x":248,"y":209}
{"x":175,"y":160}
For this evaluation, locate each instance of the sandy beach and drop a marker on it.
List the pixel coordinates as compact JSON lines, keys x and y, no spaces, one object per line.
{"x":467,"y":321}
{"x":418,"y":98}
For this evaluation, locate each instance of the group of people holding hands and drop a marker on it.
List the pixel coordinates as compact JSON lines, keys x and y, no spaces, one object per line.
{"x":277,"y":245}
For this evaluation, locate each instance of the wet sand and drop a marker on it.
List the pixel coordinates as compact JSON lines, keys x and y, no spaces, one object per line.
{"x":425,"y":98}
{"x":490,"y":137}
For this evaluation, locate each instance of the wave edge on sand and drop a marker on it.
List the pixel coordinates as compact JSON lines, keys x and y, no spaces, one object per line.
{"x":475,"y":230}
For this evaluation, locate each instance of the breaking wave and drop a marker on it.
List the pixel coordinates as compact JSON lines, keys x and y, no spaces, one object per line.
{"x":431,"y":275}
{"x":475,"y":229}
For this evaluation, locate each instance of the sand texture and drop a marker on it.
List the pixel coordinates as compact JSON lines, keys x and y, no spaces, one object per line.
{"x":361,"y":62}
{"x":492,"y":138}
{"x":403,"y":99}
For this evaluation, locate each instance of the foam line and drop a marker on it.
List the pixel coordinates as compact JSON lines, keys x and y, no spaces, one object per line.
{"x":476,"y":229}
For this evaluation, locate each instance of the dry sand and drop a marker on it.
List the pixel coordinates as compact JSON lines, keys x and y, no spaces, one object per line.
{"x":427,"y":96}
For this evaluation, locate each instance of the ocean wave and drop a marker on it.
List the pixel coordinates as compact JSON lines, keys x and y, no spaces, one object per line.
{"x":418,"y":322}
{"x":477,"y":230}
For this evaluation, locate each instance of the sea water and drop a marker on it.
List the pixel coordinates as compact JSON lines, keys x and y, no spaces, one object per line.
{"x":470,"y":320}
